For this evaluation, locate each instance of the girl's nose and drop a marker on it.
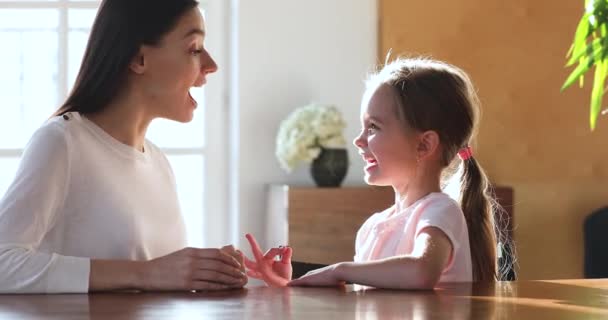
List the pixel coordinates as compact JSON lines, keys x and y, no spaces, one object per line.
{"x":359,"y":141}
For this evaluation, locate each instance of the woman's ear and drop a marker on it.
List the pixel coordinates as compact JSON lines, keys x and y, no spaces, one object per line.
{"x":138,"y":64}
{"x":428,"y":144}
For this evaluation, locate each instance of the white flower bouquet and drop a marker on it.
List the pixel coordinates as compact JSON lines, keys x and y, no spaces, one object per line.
{"x":306,"y":131}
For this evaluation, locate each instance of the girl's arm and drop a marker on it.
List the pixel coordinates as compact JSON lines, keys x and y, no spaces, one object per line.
{"x":419,"y":270}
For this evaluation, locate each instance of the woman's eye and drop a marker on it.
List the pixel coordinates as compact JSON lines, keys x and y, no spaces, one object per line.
{"x":196,"y":52}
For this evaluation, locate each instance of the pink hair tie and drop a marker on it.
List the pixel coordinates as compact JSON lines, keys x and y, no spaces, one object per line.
{"x":465,"y":153}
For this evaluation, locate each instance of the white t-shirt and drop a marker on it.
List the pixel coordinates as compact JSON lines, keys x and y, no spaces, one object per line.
{"x":80,"y":194}
{"x":388,"y":234}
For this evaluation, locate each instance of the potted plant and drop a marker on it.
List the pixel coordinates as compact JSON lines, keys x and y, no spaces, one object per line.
{"x":590,"y":49}
{"x":314,"y":134}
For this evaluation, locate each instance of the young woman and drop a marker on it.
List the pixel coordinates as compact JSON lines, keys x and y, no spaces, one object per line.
{"x":94,"y":204}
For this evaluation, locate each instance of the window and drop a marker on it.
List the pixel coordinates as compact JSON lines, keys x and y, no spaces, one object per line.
{"x":43,"y":43}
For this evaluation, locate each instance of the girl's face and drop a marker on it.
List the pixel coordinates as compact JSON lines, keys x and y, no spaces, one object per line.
{"x":385,"y":144}
{"x":179,"y":63}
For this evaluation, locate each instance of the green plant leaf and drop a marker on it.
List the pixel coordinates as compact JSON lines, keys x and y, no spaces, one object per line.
{"x":582,"y":33}
{"x":597,"y":93}
{"x":578,"y":72}
{"x":589,"y":48}
{"x":592,"y":50}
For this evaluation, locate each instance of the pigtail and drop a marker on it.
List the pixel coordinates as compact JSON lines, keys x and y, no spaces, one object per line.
{"x":478,"y":213}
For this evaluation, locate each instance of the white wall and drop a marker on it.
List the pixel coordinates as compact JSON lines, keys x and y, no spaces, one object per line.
{"x":289,"y":53}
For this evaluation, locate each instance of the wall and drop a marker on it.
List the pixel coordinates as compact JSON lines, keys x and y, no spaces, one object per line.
{"x":289,"y":53}
{"x":532,"y":137}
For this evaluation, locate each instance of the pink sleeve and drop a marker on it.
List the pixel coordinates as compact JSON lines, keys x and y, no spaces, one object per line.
{"x":446,"y":215}
{"x":361,"y":236}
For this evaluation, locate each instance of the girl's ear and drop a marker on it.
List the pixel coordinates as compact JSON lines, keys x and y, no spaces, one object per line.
{"x":428,"y":144}
{"x":138,"y":64}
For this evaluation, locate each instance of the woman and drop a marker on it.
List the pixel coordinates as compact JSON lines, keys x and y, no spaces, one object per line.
{"x":94,"y":204}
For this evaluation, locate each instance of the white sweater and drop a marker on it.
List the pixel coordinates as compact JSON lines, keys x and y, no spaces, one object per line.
{"x":81,"y":194}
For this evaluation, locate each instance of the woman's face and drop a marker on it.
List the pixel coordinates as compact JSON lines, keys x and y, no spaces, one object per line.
{"x":177,"y":64}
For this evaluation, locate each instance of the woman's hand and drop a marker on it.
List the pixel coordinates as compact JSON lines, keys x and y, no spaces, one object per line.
{"x":238,"y":255}
{"x":194,"y":269}
{"x":324,"y":277}
{"x":265,"y":267}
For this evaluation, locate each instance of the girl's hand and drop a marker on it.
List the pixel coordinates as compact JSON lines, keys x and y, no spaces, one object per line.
{"x":265,"y":267}
{"x":324,"y":277}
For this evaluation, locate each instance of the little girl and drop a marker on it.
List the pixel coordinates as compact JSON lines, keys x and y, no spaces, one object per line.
{"x":418,"y":119}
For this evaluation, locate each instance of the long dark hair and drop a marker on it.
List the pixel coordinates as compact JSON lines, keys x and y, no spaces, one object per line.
{"x":433,"y":95}
{"x":121,"y":27}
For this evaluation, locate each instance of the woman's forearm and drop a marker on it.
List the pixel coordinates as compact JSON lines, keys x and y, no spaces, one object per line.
{"x":23,"y":270}
{"x":115,"y":275}
{"x":184,"y":270}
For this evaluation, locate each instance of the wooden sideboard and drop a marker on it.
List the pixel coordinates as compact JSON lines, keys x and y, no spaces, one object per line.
{"x":320,"y":224}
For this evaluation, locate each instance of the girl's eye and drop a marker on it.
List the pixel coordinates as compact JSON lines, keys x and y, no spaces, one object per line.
{"x":196,"y":52}
{"x":372,"y":128}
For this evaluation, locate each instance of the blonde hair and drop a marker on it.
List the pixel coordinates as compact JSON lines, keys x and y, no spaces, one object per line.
{"x":434,"y":95}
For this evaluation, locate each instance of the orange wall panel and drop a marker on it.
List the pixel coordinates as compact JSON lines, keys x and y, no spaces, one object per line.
{"x":532,"y":137}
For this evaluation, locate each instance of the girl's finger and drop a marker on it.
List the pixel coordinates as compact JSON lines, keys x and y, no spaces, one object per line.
{"x":255,"y":247}
{"x":286,"y":255}
{"x":250,"y":264}
{"x":270,"y":254}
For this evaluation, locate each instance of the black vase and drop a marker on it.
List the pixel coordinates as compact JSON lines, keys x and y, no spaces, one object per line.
{"x":330,"y":167}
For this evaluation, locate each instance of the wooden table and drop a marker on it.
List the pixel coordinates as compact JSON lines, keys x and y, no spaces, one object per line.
{"x":567,"y":299}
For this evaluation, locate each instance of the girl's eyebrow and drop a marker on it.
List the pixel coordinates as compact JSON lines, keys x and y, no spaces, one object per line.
{"x":375,"y":119}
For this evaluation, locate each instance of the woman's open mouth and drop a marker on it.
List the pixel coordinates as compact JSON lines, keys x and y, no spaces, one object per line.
{"x":194,"y":103}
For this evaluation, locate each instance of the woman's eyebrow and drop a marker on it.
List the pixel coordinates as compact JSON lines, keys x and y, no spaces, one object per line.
{"x":198,"y":31}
